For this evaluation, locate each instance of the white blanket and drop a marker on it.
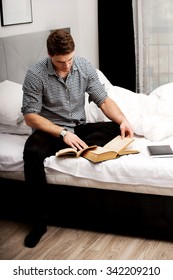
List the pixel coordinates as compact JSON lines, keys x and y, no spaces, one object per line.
{"x":150,"y":115}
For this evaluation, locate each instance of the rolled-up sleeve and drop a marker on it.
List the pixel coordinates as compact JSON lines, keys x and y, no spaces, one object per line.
{"x":32,"y":94}
{"x":95,"y":89}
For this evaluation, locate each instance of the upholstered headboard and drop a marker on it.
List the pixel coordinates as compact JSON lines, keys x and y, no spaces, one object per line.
{"x":18,"y":52}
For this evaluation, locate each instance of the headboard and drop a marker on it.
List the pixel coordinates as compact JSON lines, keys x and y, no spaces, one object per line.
{"x":18,"y":52}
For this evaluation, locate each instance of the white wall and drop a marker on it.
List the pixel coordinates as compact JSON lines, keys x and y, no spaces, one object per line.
{"x":79,"y":15}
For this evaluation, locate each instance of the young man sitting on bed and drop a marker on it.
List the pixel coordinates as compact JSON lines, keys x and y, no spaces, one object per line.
{"x":53,"y":105}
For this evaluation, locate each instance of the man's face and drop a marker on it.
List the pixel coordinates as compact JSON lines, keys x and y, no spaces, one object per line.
{"x":63,"y":63}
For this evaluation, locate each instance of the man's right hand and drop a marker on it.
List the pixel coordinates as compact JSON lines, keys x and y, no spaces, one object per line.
{"x":74,"y":141}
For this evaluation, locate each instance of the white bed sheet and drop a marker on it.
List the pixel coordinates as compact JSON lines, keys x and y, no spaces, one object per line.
{"x":134,"y":169}
{"x":134,"y":173}
{"x":11,"y":151}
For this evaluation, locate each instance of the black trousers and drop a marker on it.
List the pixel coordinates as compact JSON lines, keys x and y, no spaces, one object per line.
{"x":40,"y":145}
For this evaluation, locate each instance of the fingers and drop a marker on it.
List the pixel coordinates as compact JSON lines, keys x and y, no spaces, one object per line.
{"x":126,"y":131}
{"x":78,"y":146}
{"x":74,"y":141}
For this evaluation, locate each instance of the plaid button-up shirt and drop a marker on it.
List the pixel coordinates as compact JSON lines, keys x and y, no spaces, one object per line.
{"x":61,"y":101}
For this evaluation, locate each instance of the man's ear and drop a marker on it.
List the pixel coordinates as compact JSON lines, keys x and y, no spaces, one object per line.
{"x":48,"y":54}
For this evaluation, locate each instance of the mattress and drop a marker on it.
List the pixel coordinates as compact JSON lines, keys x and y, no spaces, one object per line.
{"x":131,"y":173}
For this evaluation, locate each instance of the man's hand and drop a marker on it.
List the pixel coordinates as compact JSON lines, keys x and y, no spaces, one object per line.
{"x":74,"y":141}
{"x":113,"y":112}
{"x":126,"y":129}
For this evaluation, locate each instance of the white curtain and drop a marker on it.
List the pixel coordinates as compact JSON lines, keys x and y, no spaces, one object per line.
{"x":153,"y":25}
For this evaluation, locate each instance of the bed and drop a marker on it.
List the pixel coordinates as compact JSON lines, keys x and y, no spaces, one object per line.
{"x":131,"y":192}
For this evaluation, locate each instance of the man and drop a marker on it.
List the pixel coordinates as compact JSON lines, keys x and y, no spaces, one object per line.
{"x":53,"y":105}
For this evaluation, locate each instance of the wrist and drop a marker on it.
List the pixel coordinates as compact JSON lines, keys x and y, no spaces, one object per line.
{"x":63,"y":133}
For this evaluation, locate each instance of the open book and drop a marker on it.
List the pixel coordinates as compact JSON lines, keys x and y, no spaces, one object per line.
{"x":113,"y":149}
{"x":72,"y":152}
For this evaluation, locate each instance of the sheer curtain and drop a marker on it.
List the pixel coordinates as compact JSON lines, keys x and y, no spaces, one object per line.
{"x":153,"y":25}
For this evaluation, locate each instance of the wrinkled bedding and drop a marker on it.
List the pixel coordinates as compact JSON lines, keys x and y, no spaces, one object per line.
{"x":152,"y":119}
{"x":133,"y":169}
{"x":150,"y":115}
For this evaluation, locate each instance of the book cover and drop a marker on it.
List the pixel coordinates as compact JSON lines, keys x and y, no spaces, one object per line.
{"x":160,"y":151}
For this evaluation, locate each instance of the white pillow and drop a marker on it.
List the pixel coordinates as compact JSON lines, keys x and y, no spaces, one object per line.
{"x":10,"y":102}
{"x":164,"y":93}
{"x":20,"y":129}
{"x":127,"y":100}
{"x":104,"y":81}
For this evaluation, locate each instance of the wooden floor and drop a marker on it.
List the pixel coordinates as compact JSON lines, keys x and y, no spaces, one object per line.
{"x":71,"y":244}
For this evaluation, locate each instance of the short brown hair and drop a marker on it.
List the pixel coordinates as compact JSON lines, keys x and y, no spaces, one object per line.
{"x":60,"y":42}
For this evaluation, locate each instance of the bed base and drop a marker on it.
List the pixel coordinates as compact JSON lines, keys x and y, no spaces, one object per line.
{"x":118,"y":212}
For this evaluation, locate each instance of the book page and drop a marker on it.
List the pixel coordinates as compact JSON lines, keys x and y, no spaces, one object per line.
{"x":93,"y":147}
{"x":100,"y":150}
{"x":72,"y":152}
{"x":66,"y":151}
{"x":118,"y":143}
